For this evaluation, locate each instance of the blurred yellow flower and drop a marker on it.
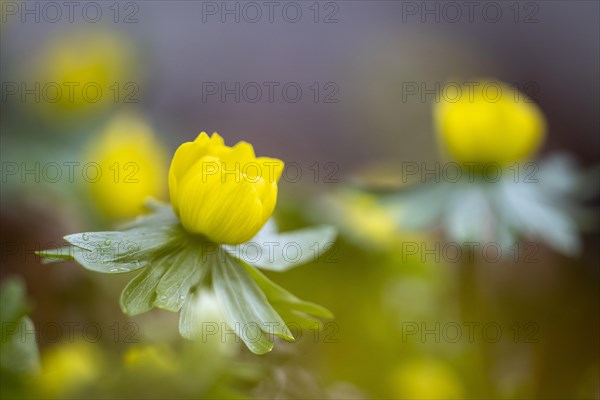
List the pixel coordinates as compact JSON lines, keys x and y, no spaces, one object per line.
{"x":150,"y":359}
{"x":488,"y":122}
{"x":67,"y":368}
{"x":85,"y":73}
{"x":426,"y":379}
{"x":361,"y":217}
{"x":124,"y":166}
{"x":225,"y":193}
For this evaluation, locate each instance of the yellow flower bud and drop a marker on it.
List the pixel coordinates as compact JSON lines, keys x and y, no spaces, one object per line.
{"x":225,"y":193}
{"x":488,"y":122}
{"x":68,"y":368}
{"x":152,"y":360}
{"x":125,"y":165}
{"x":426,"y":379}
{"x":87,"y":73}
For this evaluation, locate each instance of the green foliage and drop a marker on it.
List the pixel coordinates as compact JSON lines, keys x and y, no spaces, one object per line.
{"x":18,"y":348}
{"x":176,"y":268}
{"x":537,"y":205}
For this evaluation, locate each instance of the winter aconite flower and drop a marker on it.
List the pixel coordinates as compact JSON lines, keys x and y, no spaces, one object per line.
{"x":225,"y":193}
{"x":488,"y":122}
{"x":200,"y":255}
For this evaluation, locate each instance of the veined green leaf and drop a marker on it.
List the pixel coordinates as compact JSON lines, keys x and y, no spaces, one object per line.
{"x":200,"y":308}
{"x":120,"y":246}
{"x":282,"y":251}
{"x":245,"y":305}
{"x":279,"y":296}
{"x":185,"y":271}
{"x":99,"y":262}
{"x":140,"y":293}
{"x":118,"y":252}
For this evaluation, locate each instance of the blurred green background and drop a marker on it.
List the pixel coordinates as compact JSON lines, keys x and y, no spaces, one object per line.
{"x":112,"y":88}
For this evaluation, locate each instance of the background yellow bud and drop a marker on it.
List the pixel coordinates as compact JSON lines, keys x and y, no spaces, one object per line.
{"x":488,"y":122}
{"x":225,"y":193}
{"x":98,"y":67}
{"x":426,"y":379}
{"x":67,"y":368}
{"x":155,"y":360}
{"x":132,"y":164}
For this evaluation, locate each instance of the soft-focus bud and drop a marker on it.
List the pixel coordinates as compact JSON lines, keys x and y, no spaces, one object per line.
{"x":488,"y":122}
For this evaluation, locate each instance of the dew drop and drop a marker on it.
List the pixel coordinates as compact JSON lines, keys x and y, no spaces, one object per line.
{"x":85,"y":236}
{"x":107,"y":242}
{"x":113,"y":270}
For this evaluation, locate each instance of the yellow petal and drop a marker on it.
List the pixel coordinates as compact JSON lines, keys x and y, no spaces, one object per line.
{"x":271,"y":168}
{"x":224,"y":207}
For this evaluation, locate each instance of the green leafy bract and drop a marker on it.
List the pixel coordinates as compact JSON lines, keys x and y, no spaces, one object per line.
{"x":186,"y":273}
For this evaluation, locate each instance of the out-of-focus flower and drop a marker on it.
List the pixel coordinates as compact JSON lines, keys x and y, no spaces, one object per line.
{"x":426,"y":379}
{"x":489,"y":127}
{"x":360,"y":216}
{"x":85,"y":73}
{"x":225,"y":193}
{"x":68,"y":368}
{"x":153,"y":360}
{"x":488,"y":122}
{"x":125,"y":165}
